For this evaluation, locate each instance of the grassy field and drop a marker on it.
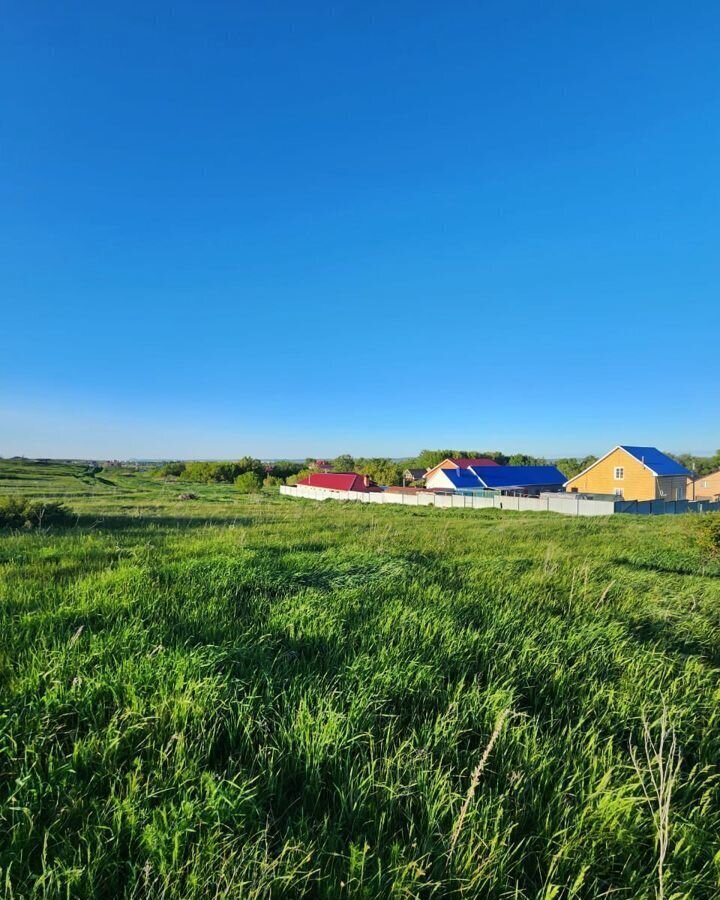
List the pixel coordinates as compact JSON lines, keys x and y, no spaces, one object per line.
{"x":264,"y":697}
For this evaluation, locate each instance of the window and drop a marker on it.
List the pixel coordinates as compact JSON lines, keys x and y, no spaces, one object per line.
{"x":619,"y":473}
{"x":618,"y":492}
{"x":705,"y":484}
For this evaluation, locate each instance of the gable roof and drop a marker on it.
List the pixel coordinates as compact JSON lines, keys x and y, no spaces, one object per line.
{"x":339,"y":481}
{"x":504,"y":477}
{"x":460,"y":464}
{"x":655,"y":460}
{"x":499,"y":477}
{"x":462,"y":478}
{"x":658,"y":463}
{"x":477,"y":461}
{"x":707,"y":477}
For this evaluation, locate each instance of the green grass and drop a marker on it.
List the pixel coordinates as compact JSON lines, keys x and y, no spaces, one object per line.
{"x":263,"y":697}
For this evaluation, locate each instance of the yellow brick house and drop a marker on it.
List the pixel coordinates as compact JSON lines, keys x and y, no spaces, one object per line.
{"x":633,"y":473}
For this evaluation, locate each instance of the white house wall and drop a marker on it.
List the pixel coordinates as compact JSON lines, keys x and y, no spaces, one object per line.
{"x":439,"y":480}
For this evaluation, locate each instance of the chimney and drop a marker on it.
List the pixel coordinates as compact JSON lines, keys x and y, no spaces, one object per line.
{"x":366,"y":480}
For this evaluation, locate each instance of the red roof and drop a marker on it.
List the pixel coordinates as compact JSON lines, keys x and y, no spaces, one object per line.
{"x":479,"y":461}
{"x":340,"y":481}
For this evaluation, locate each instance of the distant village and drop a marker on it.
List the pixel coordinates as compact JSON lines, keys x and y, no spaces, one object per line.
{"x":626,"y":479}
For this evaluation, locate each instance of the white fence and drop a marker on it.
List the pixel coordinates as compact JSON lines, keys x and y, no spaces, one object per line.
{"x":568,"y":504}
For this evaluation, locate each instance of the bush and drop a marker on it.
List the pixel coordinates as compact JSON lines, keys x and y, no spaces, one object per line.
{"x":708,"y":534}
{"x":248,"y":482}
{"x":272,"y":481}
{"x":19,"y":512}
{"x":174,"y":469}
{"x":221,"y":472}
{"x":285,"y":468}
{"x":293,"y":479}
{"x":200,"y":472}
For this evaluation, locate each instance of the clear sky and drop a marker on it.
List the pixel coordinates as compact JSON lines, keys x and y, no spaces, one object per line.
{"x":310,"y":228}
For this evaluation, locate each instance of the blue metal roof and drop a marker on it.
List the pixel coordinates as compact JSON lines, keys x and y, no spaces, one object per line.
{"x":657,"y":461}
{"x":463,"y":478}
{"x":519,"y":476}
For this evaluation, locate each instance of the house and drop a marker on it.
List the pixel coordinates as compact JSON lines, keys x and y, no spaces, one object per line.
{"x":321,"y":465}
{"x":340,"y":481}
{"x":507,"y":479}
{"x":453,"y":480}
{"x":704,"y":487}
{"x":410,"y":475}
{"x":634,"y":473}
{"x":459,"y":464}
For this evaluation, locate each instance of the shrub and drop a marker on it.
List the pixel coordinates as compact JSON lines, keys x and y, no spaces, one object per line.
{"x":293,"y":479}
{"x":19,"y":512}
{"x":248,"y":482}
{"x":708,"y":534}
{"x":272,"y":481}
{"x":170,"y":469}
{"x":285,"y":468}
{"x":198,"y":471}
{"x":221,"y":472}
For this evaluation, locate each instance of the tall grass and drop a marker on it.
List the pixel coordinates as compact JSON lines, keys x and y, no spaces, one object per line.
{"x":253,"y":697}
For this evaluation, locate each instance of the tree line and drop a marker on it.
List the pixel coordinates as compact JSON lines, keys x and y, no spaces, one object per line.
{"x":700,"y":465}
{"x":247,"y":474}
{"x":384,"y":470}
{"x":250,"y":474}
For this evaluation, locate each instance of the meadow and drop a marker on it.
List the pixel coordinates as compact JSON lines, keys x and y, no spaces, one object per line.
{"x":254,"y":696}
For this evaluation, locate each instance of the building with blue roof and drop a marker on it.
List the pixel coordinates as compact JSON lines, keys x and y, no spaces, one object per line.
{"x":634,"y":473}
{"x":659,"y":463}
{"x":527,"y":480}
{"x":521,"y":479}
{"x":454,"y":480}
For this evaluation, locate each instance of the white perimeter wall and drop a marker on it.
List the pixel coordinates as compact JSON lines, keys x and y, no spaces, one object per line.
{"x":562,"y":503}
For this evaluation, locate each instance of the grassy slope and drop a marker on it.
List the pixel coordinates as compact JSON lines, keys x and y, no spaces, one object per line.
{"x":267,"y":697}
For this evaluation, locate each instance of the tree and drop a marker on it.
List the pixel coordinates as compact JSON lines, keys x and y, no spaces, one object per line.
{"x":699,"y":465}
{"x":249,"y":464}
{"x":428,"y":459}
{"x":343,"y":463}
{"x":223,"y":473}
{"x":284,"y":468}
{"x":495,"y":455}
{"x":522,"y":459}
{"x":571,"y":466}
{"x":380,"y":469}
{"x":248,"y":483}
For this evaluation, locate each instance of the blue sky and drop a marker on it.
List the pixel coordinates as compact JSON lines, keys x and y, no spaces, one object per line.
{"x":290,"y":229}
